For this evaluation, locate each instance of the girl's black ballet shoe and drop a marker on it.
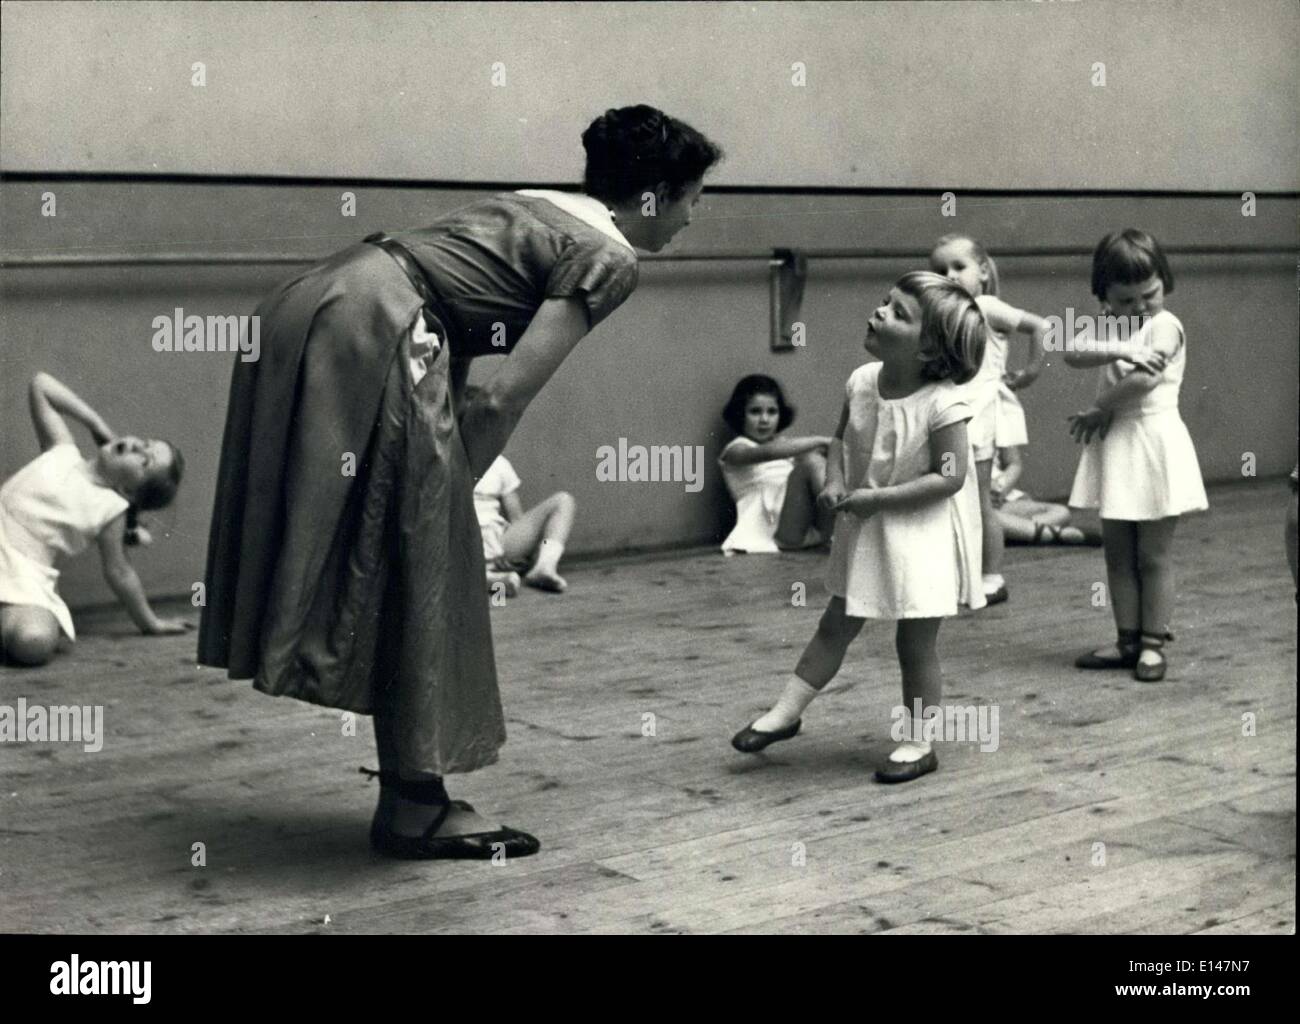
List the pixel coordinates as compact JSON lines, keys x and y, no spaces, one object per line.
{"x":750,"y":741}
{"x":999,"y":596}
{"x":1092,"y":660}
{"x":905,"y":771}
{"x":507,"y":842}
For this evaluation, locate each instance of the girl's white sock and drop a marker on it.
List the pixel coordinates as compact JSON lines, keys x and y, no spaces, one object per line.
{"x":993,"y":582}
{"x":909,"y":751}
{"x":789,"y":709}
{"x":548,"y":556}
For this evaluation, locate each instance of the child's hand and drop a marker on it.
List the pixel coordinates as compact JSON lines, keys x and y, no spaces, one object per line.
{"x":862,"y":503}
{"x":1083,"y":425}
{"x":168,"y":627}
{"x":1022,"y":379}
{"x":831,"y":495}
{"x":1152,"y":361}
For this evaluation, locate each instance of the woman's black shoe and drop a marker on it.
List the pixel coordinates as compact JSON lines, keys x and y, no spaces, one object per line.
{"x":508,"y":842}
{"x":750,"y":741}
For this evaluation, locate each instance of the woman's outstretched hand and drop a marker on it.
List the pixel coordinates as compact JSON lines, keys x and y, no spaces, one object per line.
{"x":1084,"y":425}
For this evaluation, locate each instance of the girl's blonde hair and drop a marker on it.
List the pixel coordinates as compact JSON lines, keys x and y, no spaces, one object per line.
{"x":981,"y":254}
{"x":953,"y":330}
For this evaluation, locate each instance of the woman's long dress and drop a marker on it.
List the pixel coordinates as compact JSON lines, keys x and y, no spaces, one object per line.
{"x":344,"y":561}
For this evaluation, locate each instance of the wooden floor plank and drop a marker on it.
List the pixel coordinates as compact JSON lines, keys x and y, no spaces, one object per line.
{"x":1190,"y":783}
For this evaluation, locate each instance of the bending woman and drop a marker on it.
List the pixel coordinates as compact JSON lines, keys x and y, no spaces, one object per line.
{"x":344,"y":562}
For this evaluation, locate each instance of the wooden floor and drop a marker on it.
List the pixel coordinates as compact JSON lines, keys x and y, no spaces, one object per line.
{"x":677,"y":832}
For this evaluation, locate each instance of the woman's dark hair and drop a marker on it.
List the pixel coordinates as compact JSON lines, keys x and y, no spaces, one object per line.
{"x":155,"y":492}
{"x":746,"y":388}
{"x":632,"y":149}
{"x":1128,"y":257}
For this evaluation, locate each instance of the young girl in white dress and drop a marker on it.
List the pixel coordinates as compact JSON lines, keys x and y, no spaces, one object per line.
{"x":773,"y":480}
{"x":516,"y":541}
{"x":907,"y":535}
{"x":1138,"y":467}
{"x":56,"y":504}
{"x":962,"y":259}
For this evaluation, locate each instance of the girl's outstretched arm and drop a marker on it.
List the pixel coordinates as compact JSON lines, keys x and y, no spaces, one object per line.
{"x":833,"y":490}
{"x":50,"y":401}
{"x":1165,"y":340}
{"x":1036,"y":328}
{"x":1084,"y":352}
{"x":1013,"y":466}
{"x":777,"y":448}
{"x":1007,"y":319}
{"x":121,"y":577}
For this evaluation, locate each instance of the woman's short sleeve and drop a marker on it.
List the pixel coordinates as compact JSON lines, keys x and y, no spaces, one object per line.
{"x":950,"y":406}
{"x":602,"y":276}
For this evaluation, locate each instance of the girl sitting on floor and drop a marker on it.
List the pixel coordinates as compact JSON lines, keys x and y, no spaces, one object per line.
{"x":56,"y":504}
{"x":773,"y":480}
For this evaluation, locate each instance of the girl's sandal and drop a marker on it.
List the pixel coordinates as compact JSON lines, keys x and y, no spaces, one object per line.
{"x":1053,"y":533}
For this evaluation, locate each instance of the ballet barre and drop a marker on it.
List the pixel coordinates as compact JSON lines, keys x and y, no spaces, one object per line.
{"x":20,"y":260}
{"x":787,"y":268}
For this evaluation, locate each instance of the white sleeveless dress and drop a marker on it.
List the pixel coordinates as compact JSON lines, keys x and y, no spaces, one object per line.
{"x":758,"y":489}
{"x":1146,"y":467}
{"x":51,"y":508}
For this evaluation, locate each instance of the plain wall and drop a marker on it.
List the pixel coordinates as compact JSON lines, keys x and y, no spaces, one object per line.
{"x":936,"y":96}
{"x":1197,"y":95}
{"x":659,"y":370}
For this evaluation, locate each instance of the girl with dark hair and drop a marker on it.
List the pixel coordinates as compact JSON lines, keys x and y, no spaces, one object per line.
{"x":1138,"y":467}
{"x":773,"y":480}
{"x":907,"y":537}
{"x":364,"y":590}
{"x":56,"y":504}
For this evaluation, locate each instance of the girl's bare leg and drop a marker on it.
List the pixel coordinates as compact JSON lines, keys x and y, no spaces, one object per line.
{"x":822,"y":658}
{"x":1119,"y":542}
{"x":29,"y":635}
{"x":1156,"y":574}
{"x":1020,"y":521}
{"x":799,"y":510}
{"x":993,"y":543}
{"x":538,"y":538}
{"x":918,"y":657}
{"x":817,"y":666}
